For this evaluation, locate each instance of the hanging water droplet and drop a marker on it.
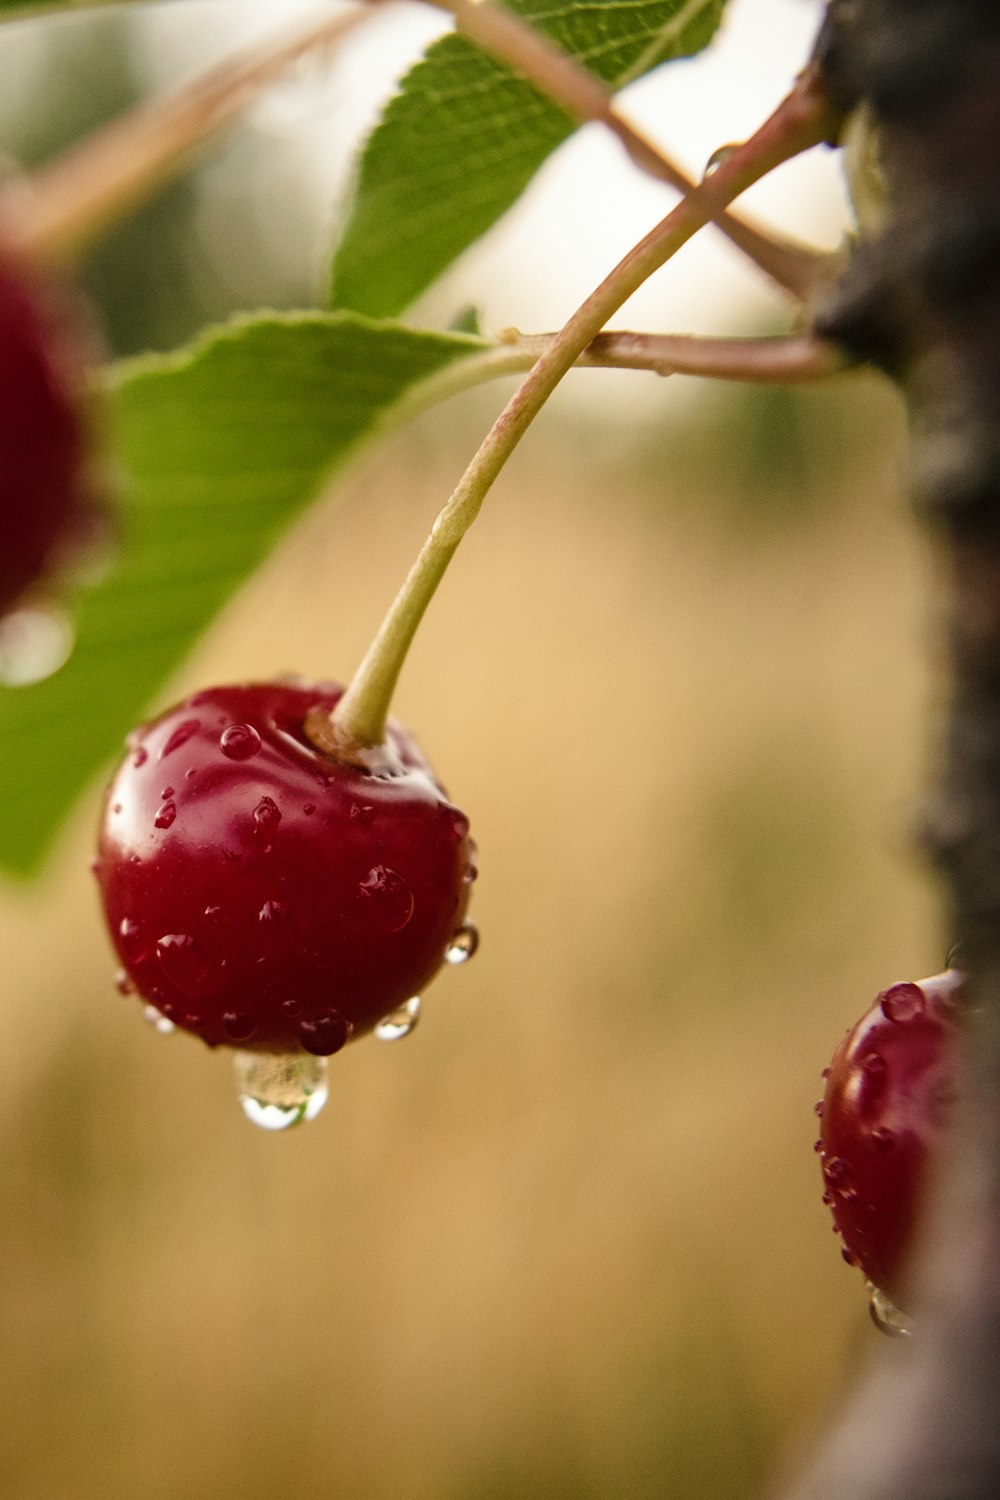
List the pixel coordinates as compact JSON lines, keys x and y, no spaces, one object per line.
{"x":158,"y":1020}
{"x":887,"y":1317}
{"x":400,"y":1022}
{"x":140,"y":756}
{"x":280,"y":1090}
{"x":180,"y":736}
{"x":34,"y":643}
{"x":874,"y":1064}
{"x":463,"y":945}
{"x":719,"y":157}
{"x":239,"y":741}
{"x":123,"y":983}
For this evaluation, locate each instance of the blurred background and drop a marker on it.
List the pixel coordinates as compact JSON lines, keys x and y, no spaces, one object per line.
{"x":566,"y":1240}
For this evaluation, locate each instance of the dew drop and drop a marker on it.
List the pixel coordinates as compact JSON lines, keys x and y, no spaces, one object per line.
{"x":829,"y":1198}
{"x":116,"y":809}
{"x":266,"y":817}
{"x":874,"y":1064}
{"x":463,"y":945}
{"x":140,"y":756}
{"x":400,"y":1022}
{"x":123,"y":983}
{"x":166,"y":815}
{"x":34,"y":643}
{"x":719,"y":157}
{"x":826,"y":1073}
{"x":212,"y":911}
{"x":277,"y":1091}
{"x":325,"y":1034}
{"x":818,"y":1147}
{"x":167,"y":793}
{"x":459,"y":826}
{"x":883,"y":1137}
{"x":95,"y":867}
{"x":309,"y":809}
{"x":239,"y":741}
{"x":238,"y":1025}
{"x":387,"y":899}
{"x":362,"y":812}
{"x":190,"y":773}
{"x":902,"y":1002}
{"x":180,"y":736}
{"x":818,"y":1108}
{"x":836,"y":1171}
{"x":292,"y":1007}
{"x":184,"y":966}
{"x":271,"y":911}
{"x":131,"y":938}
{"x":850,"y":1257}
{"x":158,"y":1020}
{"x":886,"y":1316}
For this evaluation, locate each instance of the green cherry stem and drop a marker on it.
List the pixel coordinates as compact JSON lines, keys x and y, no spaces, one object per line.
{"x":803,"y":119}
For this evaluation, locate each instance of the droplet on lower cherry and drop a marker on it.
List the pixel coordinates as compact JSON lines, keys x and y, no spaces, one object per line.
{"x":886,"y":1316}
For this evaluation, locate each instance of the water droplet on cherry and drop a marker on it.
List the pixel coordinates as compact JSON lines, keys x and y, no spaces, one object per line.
{"x":387,"y":900}
{"x":239,"y":741}
{"x":400,"y":1022}
{"x":183,"y":965}
{"x":325,"y":1034}
{"x":158,"y":1020}
{"x":180,"y":736}
{"x":238,"y":1025}
{"x":902,"y":1002}
{"x":463,"y":945}
{"x":266,"y":817}
{"x":166,"y":815}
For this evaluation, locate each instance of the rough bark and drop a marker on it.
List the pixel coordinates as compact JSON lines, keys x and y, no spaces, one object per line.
{"x":922,"y":300}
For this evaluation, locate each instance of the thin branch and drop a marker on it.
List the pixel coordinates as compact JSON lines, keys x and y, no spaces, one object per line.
{"x":785,"y":359}
{"x":796,"y":268}
{"x":799,"y":122}
{"x":62,"y":207}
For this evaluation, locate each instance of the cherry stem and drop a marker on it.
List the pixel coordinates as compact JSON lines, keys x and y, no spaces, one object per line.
{"x":802,"y":120}
{"x":64,"y":206}
{"x":796,"y":268}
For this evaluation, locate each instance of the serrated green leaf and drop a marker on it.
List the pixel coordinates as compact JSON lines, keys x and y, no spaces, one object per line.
{"x":220,"y":447}
{"x":465,"y":135}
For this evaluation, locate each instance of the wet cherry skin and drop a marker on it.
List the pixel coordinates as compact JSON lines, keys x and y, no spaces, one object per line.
{"x":888,"y":1100}
{"x":265,"y":896}
{"x":48,"y":503}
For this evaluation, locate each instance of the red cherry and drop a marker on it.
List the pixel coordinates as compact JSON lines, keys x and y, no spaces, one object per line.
{"x":888,"y":1098}
{"x":268,"y":897}
{"x":47,"y":506}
